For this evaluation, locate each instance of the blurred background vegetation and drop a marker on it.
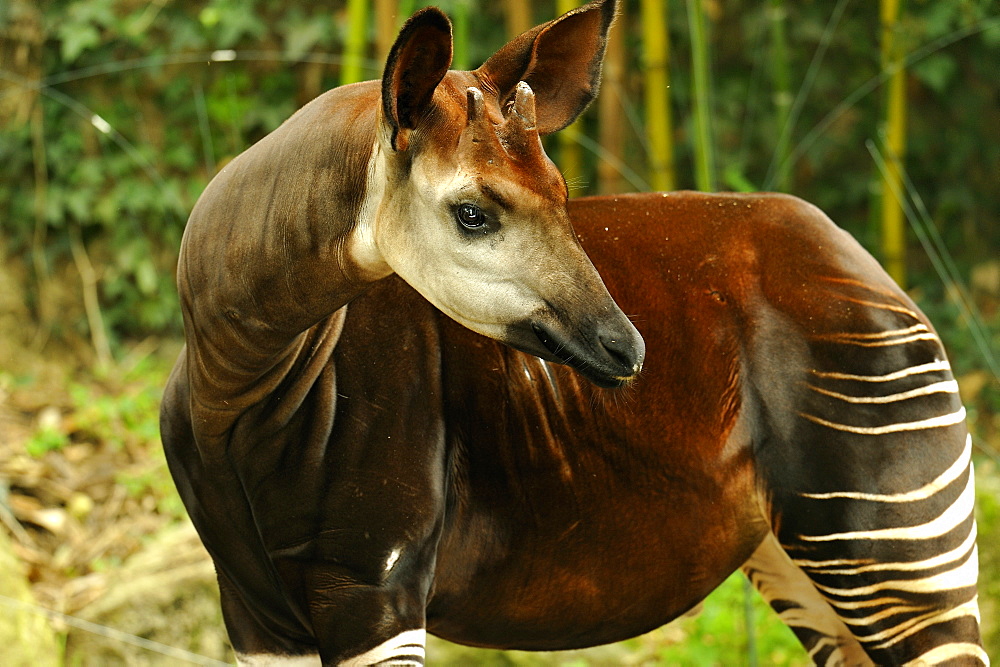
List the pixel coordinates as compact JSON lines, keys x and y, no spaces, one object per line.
{"x":114,"y":115}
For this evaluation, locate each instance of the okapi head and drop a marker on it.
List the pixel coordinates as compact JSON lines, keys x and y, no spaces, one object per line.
{"x":468,"y":207}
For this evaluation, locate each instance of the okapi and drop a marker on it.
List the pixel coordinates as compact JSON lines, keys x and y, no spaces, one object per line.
{"x":364,"y":473}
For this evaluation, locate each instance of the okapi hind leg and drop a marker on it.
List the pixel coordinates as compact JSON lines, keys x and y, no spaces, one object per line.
{"x":800,"y":606}
{"x":869,"y":476}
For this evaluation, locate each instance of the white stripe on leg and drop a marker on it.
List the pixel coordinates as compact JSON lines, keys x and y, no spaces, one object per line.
{"x":406,"y":648}
{"x":273,"y":660}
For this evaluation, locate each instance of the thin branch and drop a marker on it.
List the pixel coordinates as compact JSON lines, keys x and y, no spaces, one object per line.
{"x":91,"y":303}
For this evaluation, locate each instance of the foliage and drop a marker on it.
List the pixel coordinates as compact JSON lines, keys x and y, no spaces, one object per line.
{"x":117,"y":413}
{"x":719,"y":636}
{"x":119,"y":419}
{"x":132,"y":107}
{"x":988,"y":519}
{"x":46,"y":439}
{"x":122,"y":111}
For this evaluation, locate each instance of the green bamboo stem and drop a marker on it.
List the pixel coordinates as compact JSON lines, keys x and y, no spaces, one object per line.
{"x":893,"y":225}
{"x":386,"y":26}
{"x":406,"y":9}
{"x":460,"y":29}
{"x":782,"y":92}
{"x":354,"y":41}
{"x":704,"y":153}
{"x":656,"y":49}
{"x":611,"y":130}
{"x":518,"y":16}
{"x":43,"y":277}
{"x":570,"y":154}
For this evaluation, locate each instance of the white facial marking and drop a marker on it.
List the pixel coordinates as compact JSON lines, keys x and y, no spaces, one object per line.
{"x":361,"y":246}
{"x":484,"y":284}
{"x":391,"y":560}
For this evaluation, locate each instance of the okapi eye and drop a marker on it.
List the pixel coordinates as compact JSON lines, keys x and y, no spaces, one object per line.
{"x":470,"y":216}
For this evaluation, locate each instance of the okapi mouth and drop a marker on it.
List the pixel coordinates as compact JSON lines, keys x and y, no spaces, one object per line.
{"x":608,"y":361}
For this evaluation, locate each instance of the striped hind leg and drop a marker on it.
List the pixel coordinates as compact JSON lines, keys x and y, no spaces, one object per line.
{"x":801,"y":607}
{"x":904,"y":582}
{"x":906,"y":579}
{"x":900,"y":579}
{"x":878,"y":510}
{"x":870,"y":483}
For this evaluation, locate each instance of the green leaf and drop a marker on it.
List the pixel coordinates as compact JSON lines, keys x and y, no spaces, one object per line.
{"x":936,"y":71}
{"x":44,"y":440}
{"x":146,"y":277}
{"x":77,"y":38}
{"x":79,"y":203}
{"x":209,"y":17}
{"x":303,"y":35}
{"x":991,"y":35}
{"x":236,"y":23}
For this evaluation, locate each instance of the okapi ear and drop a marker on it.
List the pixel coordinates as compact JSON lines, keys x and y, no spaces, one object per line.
{"x":416,"y":64}
{"x":561,"y":61}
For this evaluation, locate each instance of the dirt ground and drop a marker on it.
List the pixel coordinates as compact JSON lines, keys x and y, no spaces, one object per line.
{"x":92,"y":523}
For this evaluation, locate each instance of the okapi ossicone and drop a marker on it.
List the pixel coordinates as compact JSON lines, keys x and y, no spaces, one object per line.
{"x":379,"y":425}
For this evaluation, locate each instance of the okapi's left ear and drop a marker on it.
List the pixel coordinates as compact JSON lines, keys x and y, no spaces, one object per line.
{"x":561,"y":61}
{"x":416,"y":64}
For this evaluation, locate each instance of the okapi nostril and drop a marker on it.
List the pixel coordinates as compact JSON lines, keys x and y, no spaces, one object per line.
{"x":622,"y":353}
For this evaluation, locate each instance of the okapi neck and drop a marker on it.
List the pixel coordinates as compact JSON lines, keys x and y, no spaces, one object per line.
{"x":265,"y":254}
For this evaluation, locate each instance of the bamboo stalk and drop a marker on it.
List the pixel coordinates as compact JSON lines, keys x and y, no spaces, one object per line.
{"x":656,"y":43}
{"x":406,"y":8}
{"x":782,"y":91}
{"x":91,"y":301}
{"x":460,"y":28}
{"x":518,"y":16}
{"x":39,"y":239}
{"x":704,"y":153}
{"x":386,"y":25}
{"x":893,"y":228}
{"x":354,"y":41}
{"x":570,"y":155}
{"x":609,"y":112}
